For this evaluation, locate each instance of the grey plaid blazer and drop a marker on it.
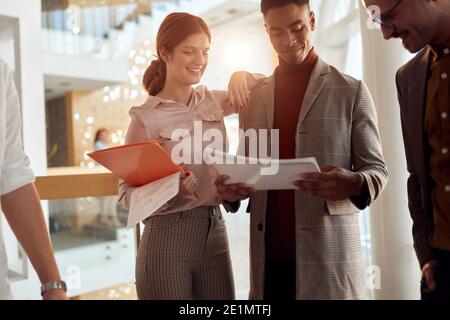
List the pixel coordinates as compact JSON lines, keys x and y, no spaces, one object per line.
{"x":338,"y":126}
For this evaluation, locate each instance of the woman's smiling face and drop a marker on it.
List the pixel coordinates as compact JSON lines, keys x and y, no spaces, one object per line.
{"x":187,"y":62}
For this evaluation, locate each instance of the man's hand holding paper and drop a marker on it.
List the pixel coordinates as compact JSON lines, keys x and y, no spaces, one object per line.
{"x":333,"y":183}
{"x":233,"y":192}
{"x":261,"y":173}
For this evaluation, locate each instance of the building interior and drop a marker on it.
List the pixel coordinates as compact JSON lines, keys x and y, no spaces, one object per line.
{"x":78,"y":67}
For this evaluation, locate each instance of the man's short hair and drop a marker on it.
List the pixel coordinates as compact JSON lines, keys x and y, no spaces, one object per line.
{"x":266,"y":5}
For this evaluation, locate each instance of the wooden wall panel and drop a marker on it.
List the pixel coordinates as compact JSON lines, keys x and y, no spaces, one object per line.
{"x":88,"y":113}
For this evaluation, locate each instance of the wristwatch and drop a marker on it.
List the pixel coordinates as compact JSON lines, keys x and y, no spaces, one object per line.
{"x":59,"y":284}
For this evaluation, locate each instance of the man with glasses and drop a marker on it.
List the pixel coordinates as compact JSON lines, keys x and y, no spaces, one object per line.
{"x":424,"y":95}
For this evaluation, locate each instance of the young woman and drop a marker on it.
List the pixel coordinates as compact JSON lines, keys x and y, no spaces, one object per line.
{"x":184,"y":251}
{"x":101,"y":139}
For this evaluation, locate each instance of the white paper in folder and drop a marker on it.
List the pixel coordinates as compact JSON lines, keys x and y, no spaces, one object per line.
{"x":146,"y":200}
{"x":264,"y":174}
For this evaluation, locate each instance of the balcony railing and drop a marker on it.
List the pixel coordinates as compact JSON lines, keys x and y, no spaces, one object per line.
{"x":84,"y":245}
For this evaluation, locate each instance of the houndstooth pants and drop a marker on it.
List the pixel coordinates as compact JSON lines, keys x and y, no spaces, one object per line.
{"x":185,"y":256}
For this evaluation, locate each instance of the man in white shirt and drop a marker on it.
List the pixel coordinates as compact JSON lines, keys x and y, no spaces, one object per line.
{"x":19,"y":200}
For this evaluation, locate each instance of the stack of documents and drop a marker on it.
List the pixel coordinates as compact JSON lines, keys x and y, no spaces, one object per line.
{"x":147,"y":167}
{"x":263,"y":173}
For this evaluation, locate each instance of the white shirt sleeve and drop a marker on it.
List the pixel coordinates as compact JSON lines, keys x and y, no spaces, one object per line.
{"x":16,"y":170}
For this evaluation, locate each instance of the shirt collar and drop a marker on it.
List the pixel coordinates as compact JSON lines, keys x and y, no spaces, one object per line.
{"x":198,"y":95}
{"x":438,"y":52}
{"x":299,"y":69}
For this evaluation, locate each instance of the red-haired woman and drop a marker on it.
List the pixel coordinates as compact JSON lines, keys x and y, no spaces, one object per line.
{"x":184,"y":252}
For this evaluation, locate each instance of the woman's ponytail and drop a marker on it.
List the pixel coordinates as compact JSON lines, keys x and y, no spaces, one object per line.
{"x":155,"y":77}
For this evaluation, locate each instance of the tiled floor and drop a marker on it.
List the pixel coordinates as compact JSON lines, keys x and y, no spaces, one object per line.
{"x":122,"y":292}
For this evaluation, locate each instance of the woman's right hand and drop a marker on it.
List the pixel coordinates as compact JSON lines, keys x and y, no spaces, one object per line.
{"x":188,"y":184}
{"x":238,"y":95}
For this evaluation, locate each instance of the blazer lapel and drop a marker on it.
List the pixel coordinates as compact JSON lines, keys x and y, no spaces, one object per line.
{"x":315,"y":85}
{"x":267,"y":91}
{"x":418,"y":104}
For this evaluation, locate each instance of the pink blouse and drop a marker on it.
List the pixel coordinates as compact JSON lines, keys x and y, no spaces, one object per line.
{"x":156,"y":120}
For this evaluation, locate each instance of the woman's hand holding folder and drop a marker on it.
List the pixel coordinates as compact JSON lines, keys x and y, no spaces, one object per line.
{"x":188,"y":184}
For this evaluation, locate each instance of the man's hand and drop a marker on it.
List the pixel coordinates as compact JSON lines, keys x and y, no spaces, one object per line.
{"x":429,"y":276}
{"x":233,"y":192}
{"x":55,"y":294}
{"x":333,"y":183}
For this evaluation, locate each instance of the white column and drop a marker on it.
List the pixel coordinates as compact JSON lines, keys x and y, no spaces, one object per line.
{"x":31,"y":76}
{"x":392,"y":245}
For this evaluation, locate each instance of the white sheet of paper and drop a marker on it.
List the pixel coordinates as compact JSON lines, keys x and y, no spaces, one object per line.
{"x":249,"y":173}
{"x":147,"y":199}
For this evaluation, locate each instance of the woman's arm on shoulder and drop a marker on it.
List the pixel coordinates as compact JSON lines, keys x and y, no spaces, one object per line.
{"x":238,"y":95}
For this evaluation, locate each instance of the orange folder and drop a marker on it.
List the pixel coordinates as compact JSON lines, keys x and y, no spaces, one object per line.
{"x":138,"y":164}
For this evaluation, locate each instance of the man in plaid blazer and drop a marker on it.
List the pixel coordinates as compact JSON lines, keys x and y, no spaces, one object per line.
{"x":335,"y":121}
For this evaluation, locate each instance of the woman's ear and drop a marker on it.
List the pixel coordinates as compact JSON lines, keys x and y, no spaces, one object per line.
{"x":164,"y":54}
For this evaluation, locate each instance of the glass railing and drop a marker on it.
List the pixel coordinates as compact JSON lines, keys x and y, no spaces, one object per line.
{"x":93,"y":248}
{"x":94,"y":22}
{"x":75,"y":223}
{"x":103,"y":32}
{"x":109,"y":32}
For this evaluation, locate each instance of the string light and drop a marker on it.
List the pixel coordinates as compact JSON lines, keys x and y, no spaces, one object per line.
{"x":139,"y":59}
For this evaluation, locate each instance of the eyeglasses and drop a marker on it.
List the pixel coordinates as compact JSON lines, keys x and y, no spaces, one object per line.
{"x":385,"y":20}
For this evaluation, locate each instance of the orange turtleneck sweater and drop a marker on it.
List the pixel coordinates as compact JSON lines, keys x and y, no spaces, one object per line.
{"x":291,"y":82}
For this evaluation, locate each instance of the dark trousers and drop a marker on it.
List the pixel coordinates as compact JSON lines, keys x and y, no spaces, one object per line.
{"x":442,"y":275}
{"x":280,"y":281}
